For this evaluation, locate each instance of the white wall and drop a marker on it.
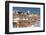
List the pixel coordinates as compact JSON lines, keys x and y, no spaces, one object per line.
{"x":2,"y":16}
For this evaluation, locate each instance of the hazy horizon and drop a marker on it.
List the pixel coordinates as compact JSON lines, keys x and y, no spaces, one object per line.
{"x":26,"y":9}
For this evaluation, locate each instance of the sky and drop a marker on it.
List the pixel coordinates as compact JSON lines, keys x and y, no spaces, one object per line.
{"x":26,"y":9}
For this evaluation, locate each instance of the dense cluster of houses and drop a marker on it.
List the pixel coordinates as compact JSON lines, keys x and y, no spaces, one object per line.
{"x":21,"y":19}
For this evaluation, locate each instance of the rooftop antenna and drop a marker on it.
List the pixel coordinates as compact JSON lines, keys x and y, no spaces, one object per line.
{"x":17,"y":11}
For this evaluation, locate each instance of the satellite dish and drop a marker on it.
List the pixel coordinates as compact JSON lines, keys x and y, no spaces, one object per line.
{"x":28,"y":11}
